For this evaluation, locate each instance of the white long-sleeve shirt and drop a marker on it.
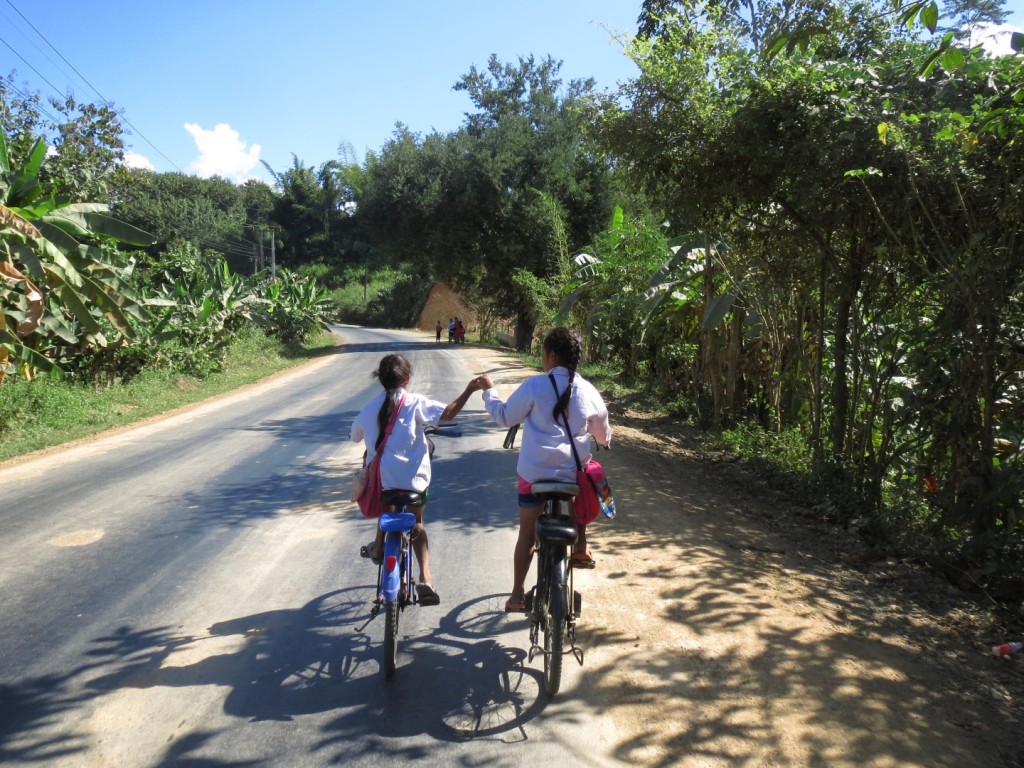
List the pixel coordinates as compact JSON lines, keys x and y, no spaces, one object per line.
{"x":545,"y":453}
{"x":405,"y":461}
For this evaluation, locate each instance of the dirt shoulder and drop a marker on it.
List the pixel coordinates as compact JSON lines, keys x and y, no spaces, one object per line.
{"x":724,"y":626}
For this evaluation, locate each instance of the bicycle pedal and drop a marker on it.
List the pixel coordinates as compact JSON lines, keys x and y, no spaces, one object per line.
{"x":577,"y":603}
{"x":528,"y":602}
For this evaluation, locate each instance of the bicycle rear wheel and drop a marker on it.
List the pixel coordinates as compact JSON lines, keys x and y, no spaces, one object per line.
{"x":554,"y":624}
{"x":391,"y":614}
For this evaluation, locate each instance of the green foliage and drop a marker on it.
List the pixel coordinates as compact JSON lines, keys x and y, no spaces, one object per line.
{"x":63,"y":283}
{"x":787,"y":451}
{"x":315,"y":210}
{"x":211,"y":213}
{"x":199,"y":306}
{"x":84,"y":140}
{"x":398,"y":304}
{"x":513,"y":191}
{"x":872,"y":205}
{"x":297,"y":307}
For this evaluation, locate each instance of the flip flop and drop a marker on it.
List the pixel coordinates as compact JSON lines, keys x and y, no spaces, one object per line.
{"x":427,"y":595}
{"x":367,"y":552}
{"x":515,"y":606}
{"x":582,"y":560}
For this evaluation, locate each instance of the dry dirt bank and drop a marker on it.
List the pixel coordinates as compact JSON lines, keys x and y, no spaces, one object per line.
{"x":725,"y":627}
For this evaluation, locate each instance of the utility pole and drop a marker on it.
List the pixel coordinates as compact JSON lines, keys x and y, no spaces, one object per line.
{"x":273,"y":262}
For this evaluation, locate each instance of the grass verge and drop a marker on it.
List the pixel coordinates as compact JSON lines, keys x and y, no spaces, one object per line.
{"x":45,"y":413}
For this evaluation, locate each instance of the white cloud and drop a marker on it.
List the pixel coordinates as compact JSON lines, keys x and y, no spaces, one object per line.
{"x":222,"y":153}
{"x":994,"y":38}
{"x":135,"y":160}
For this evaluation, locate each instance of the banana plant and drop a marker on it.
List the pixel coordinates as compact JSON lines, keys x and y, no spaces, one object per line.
{"x":60,"y":273}
{"x":204,"y":305}
{"x":297,"y":305}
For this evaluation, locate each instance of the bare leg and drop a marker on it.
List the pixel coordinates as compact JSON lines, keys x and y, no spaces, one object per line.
{"x":581,"y":540}
{"x":524,"y":550}
{"x":377,"y":551}
{"x":421,"y":546}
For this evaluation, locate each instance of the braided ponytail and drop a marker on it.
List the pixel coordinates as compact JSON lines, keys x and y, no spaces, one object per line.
{"x":393,"y":372}
{"x":565,"y":344}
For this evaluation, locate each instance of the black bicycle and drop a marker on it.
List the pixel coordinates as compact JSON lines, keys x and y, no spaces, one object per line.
{"x":553,"y":605}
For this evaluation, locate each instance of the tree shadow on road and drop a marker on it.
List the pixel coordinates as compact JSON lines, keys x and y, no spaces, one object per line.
{"x":465,"y":679}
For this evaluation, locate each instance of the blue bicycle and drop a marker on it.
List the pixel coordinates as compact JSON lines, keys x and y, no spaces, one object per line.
{"x":396,"y":585}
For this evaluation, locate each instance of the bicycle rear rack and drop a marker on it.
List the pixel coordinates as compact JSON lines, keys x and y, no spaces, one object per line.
{"x":570,"y":628}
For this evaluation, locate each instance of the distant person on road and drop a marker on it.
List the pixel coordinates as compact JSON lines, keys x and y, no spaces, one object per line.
{"x":546,"y":453}
{"x":460,"y":332}
{"x":451,"y":330}
{"x":438,"y":330}
{"x":405,"y":461}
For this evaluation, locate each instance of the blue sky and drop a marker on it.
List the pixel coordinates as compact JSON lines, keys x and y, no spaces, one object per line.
{"x":215,"y":87}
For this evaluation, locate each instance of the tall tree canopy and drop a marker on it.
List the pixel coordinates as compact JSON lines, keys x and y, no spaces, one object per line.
{"x":211,"y":213}
{"x":513,"y":193}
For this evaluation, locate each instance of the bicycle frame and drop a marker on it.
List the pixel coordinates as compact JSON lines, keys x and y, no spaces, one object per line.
{"x":395,"y":567}
{"x":553,"y":604}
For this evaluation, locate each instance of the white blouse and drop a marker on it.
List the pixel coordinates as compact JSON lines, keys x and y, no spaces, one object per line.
{"x":405,"y":461}
{"x":545,"y":452}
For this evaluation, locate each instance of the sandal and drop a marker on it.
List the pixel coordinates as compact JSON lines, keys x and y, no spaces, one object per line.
{"x":427,"y":595}
{"x":582,"y":560}
{"x":367,"y":552}
{"x":514,"y":605}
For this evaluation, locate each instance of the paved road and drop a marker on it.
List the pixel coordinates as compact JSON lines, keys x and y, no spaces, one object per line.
{"x":188,"y":593}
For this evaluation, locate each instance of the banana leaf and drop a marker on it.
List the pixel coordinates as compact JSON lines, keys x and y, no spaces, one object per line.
{"x":26,"y":181}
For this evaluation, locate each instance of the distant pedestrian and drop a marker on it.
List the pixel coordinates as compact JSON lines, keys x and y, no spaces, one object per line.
{"x":451,"y":330}
{"x":438,"y":328}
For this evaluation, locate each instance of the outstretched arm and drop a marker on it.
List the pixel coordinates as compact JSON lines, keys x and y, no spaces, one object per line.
{"x":452,"y":409}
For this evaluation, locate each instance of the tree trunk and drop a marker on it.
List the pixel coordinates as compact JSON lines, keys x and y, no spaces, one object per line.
{"x":848,"y":288}
{"x":818,"y":403}
{"x":712,"y":368}
{"x":840,"y":387}
{"x":733,"y":359}
{"x":525,"y":326}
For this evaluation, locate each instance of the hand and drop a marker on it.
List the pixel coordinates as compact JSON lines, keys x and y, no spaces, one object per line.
{"x":484,"y":382}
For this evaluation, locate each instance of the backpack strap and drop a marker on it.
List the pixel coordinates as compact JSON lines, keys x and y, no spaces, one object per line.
{"x":565,"y":418}
{"x":387,"y":431}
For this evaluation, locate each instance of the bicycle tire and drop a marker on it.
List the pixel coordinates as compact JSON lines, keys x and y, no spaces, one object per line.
{"x":391,"y":638}
{"x":554,"y":623}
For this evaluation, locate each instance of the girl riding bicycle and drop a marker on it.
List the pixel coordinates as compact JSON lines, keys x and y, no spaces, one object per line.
{"x":546,"y":453}
{"x":405,"y":457}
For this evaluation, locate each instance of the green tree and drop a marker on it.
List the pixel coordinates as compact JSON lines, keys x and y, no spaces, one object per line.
{"x":212,"y":213}
{"x":313,"y":208}
{"x":517,"y":189}
{"x":85,"y":141}
{"x":966,"y":16}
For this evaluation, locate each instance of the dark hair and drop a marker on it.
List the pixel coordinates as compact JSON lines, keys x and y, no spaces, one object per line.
{"x":392,"y":372}
{"x":565,"y":344}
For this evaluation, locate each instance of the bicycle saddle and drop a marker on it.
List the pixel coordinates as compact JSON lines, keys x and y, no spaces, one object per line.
{"x":399,"y":498}
{"x":554,"y":488}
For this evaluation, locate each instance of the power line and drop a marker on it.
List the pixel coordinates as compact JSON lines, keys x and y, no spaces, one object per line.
{"x":29,"y":65}
{"x":13,"y":25}
{"x":105,"y":100}
{"x":27,"y":98}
